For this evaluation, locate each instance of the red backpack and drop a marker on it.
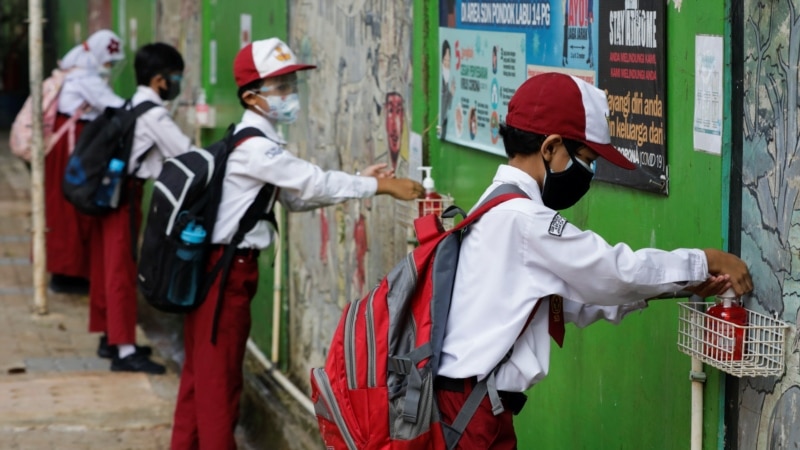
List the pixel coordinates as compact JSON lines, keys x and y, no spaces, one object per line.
{"x":376,"y":389}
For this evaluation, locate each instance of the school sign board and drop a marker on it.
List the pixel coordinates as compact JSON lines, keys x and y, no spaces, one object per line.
{"x":487,"y":48}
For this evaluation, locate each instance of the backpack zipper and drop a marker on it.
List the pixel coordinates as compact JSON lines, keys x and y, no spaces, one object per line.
{"x":371,"y":362}
{"x":324,"y":385}
{"x":350,"y":345}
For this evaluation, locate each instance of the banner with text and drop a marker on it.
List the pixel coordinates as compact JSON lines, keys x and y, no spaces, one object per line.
{"x":632,"y":72}
{"x":489,"y":47}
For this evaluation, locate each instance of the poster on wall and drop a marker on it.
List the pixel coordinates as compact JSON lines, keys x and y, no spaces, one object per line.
{"x":631,"y":69}
{"x":708,"y":77}
{"x":487,"y":48}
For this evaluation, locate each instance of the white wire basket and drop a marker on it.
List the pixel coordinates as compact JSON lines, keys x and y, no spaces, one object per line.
{"x":408,"y":211}
{"x":753,"y":350}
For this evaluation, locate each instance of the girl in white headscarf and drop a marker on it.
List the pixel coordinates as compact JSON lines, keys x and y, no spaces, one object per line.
{"x":84,"y":95}
{"x":89,"y":66}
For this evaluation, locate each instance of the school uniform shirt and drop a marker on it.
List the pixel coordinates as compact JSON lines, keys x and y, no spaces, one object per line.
{"x":522,"y":252}
{"x":86,"y":86}
{"x":302,"y":185}
{"x":154,"y":130}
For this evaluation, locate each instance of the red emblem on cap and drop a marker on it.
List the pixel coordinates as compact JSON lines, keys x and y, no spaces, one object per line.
{"x":113,"y":46}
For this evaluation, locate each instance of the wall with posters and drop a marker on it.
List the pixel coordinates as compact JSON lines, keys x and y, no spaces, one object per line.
{"x":488,"y":47}
{"x":610,"y":386}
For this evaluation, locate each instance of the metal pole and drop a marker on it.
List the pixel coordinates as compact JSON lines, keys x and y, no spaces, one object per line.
{"x":37,"y":156}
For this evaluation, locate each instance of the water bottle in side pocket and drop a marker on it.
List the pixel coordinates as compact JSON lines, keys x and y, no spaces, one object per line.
{"x":187,"y":268}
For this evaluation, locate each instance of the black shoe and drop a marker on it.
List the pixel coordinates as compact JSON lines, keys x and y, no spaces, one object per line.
{"x":136,"y":362}
{"x":110,"y":351}
{"x":64,"y":284}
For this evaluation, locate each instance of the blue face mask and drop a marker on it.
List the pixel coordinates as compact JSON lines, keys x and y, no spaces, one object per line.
{"x":281,"y":108}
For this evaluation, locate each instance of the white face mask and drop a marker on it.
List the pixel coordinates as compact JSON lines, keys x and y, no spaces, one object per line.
{"x":446,"y":74}
{"x":104,"y":72}
{"x":281,"y":108}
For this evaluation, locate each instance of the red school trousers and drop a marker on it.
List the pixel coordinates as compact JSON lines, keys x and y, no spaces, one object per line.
{"x":211,"y":379}
{"x":68,"y":231}
{"x":112,"y":290}
{"x":485,"y":431}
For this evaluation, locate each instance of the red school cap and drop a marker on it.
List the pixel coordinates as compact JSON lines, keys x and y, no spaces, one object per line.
{"x":555,"y":103}
{"x":264,"y":59}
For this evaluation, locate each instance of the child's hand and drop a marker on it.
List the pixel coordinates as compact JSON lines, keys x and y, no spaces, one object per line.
{"x":400,"y":188}
{"x":722,"y":263}
{"x":378,"y":171}
{"x":714,"y":285}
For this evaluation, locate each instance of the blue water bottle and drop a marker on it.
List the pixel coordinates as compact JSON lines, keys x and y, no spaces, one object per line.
{"x":186,"y":272}
{"x":111,"y":184}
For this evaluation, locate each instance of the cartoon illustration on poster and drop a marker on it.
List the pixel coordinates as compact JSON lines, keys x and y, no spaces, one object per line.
{"x":478,"y":76}
{"x":489,"y":47}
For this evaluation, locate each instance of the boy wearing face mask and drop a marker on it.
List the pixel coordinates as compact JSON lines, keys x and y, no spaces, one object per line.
{"x":159,"y":68}
{"x":544,"y":271}
{"x":84,"y":94}
{"x":211,"y":378}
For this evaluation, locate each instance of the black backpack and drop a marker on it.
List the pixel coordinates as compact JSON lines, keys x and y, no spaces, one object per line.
{"x":108,"y":137}
{"x":172,"y":273}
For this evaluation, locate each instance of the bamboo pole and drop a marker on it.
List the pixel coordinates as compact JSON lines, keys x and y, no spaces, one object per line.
{"x":37,"y":157}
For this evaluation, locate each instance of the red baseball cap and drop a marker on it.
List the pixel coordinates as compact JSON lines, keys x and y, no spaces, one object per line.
{"x":555,"y":103}
{"x":264,"y":59}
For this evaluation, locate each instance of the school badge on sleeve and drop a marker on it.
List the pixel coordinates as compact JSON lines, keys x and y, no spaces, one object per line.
{"x":557,"y":225}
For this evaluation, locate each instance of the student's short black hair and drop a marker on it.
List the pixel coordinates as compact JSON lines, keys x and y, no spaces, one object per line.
{"x":251,"y":86}
{"x":156,"y":59}
{"x":519,"y":142}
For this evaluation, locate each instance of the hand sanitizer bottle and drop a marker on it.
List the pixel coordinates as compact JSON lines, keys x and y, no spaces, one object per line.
{"x":432,"y":203}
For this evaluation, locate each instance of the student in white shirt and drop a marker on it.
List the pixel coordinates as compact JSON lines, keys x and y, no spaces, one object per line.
{"x":159,"y":68}
{"x":83,"y":96}
{"x":211,"y":379}
{"x":523,"y":270}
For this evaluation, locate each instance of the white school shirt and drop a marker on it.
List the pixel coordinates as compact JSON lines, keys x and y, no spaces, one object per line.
{"x":303,"y":185}
{"x":155,"y":130}
{"x":86,"y":86}
{"x":521,"y":252}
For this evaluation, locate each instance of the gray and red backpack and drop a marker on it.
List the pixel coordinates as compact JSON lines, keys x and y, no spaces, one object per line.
{"x":376,"y":389}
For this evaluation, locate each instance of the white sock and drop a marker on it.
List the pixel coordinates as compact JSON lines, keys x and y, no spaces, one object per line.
{"x":124,"y":350}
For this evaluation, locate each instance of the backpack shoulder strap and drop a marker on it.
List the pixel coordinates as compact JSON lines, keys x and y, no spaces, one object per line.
{"x":143,"y":107}
{"x":487,"y":386}
{"x":252,"y":215}
{"x":244,"y":134}
{"x":501,"y":194}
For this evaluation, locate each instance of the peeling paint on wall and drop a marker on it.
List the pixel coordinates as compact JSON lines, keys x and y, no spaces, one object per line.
{"x":178,"y":24}
{"x":358,"y":114}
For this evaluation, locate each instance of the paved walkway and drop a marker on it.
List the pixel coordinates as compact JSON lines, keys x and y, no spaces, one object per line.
{"x":55,"y":394}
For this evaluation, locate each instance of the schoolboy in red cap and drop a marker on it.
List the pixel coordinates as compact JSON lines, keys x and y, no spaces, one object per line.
{"x":211,"y":379}
{"x":544,"y":271}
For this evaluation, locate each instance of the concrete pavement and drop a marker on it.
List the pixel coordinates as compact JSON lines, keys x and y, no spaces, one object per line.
{"x":55,"y":393}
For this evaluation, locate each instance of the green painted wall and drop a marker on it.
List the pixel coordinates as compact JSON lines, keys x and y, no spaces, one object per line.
{"x":135,"y":22}
{"x":71,"y":25}
{"x":221,"y":23}
{"x":610,"y":386}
